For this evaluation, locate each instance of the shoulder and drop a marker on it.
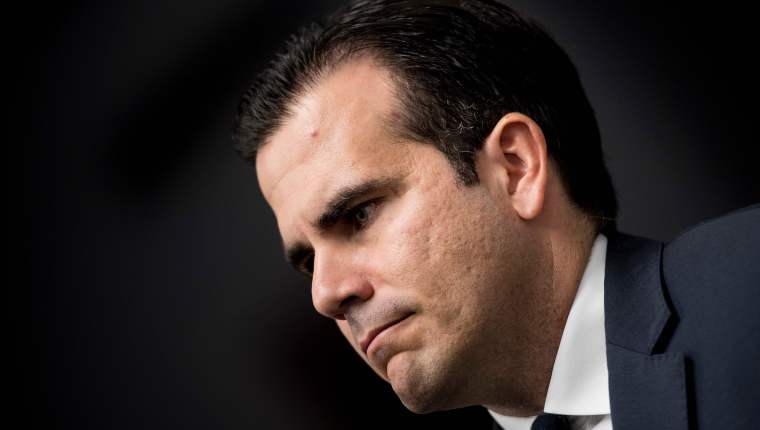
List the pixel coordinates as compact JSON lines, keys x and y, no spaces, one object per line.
{"x":727,"y":247}
{"x":711,"y":274}
{"x":711,"y":279}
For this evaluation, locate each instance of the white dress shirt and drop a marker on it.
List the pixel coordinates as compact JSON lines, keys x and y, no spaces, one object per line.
{"x":578,"y":386}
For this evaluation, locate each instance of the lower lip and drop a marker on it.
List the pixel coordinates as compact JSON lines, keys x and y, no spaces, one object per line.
{"x":375,"y":344}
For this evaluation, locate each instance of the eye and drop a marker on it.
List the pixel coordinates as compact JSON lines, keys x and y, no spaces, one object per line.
{"x":361,"y":215}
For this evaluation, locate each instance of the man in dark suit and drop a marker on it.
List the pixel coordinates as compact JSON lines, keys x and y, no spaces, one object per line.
{"x":436,"y":168}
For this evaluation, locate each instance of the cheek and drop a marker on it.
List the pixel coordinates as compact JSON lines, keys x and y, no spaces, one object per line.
{"x":407,"y":247}
{"x":436,"y":247}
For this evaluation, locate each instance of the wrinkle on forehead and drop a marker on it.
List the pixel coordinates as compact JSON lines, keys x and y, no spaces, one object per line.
{"x":336,"y":133}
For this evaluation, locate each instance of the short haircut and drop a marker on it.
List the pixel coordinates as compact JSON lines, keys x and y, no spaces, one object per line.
{"x":459,"y":66}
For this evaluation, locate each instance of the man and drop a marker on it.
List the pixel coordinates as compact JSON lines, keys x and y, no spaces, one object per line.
{"x":436,"y":168}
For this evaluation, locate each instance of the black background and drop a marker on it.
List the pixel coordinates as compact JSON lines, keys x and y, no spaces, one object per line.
{"x":158,"y":294}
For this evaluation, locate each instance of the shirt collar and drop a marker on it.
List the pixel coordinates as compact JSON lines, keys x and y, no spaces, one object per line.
{"x":579,"y":381}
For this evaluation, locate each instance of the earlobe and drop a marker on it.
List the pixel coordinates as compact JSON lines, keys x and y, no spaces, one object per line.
{"x":517,"y":160}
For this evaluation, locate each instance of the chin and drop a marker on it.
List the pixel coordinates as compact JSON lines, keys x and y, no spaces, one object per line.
{"x":421,"y":390}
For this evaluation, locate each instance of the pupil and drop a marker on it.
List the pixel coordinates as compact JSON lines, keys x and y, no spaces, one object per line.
{"x":361,"y":215}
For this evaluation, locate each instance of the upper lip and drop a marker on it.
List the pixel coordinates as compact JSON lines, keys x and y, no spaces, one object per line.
{"x":364,"y":344}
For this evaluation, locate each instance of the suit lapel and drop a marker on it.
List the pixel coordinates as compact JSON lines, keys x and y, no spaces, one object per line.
{"x":647,"y":390}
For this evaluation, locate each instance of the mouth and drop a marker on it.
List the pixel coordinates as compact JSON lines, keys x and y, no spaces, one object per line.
{"x":365,"y":343}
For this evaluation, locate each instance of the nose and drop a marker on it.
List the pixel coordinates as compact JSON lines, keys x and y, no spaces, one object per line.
{"x":338,"y":282}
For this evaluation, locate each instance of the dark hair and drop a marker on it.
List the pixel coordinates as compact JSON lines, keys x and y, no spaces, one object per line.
{"x":460,"y":66}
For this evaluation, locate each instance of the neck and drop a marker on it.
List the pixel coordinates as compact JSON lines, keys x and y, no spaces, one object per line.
{"x":571,"y":249}
{"x":568,"y":248}
{"x":570,"y":253}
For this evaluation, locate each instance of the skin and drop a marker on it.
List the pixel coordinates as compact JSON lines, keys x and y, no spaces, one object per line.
{"x":476,"y":281}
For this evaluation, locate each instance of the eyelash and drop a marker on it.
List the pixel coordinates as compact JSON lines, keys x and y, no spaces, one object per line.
{"x":349,"y":218}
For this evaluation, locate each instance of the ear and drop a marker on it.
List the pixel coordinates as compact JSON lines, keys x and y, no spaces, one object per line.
{"x":513,"y":162}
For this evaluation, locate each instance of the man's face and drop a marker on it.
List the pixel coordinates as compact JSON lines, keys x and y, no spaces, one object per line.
{"x":427,"y":278}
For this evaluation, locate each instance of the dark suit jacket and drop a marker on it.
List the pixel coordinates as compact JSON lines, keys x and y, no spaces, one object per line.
{"x":683,"y":327}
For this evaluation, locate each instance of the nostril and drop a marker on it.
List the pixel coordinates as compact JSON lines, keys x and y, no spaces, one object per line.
{"x":348,"y":301}
{"x":344,"y":305}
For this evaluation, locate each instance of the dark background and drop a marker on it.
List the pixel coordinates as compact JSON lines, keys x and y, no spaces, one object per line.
{"x":158,"y":295}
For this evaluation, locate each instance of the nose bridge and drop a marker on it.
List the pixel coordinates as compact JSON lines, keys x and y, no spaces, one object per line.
{"x":338,"y":281}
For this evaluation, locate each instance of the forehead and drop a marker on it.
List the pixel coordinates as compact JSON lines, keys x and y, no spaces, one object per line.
{"x":337,"y":134}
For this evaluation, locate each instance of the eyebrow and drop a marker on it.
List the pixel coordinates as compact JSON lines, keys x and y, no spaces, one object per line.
{"x":334,"y":211}
{"x":337,"y":207}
